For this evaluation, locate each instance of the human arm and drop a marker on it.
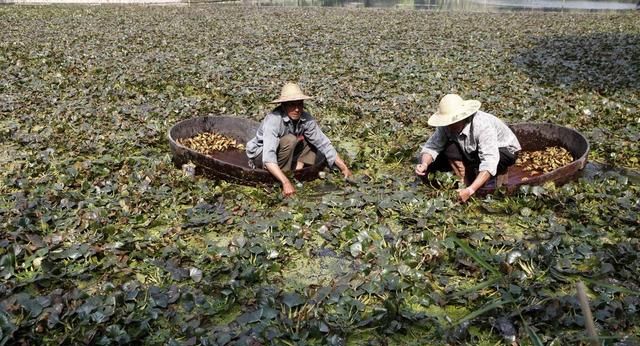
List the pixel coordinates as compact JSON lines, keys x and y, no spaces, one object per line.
{"x":318,"y":139}
{"x":271,"y":139}
{"x":425,"y":160}
{"x":477,"y":183}
{"x":431,"y":149}
{"x":314,"y":135}
{"x":488,"y":151}
{"x":343,"y":167}
{"x":287,"y":187}
{"x":489,"y":156}
{"x":271,"y":133}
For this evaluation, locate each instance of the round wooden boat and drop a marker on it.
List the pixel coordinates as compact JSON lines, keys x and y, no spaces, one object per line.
{"x":230,"y":164}
{"x":535,"y":137}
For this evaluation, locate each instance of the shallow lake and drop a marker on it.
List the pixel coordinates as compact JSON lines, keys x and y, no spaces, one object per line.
{"x":467,"y":5}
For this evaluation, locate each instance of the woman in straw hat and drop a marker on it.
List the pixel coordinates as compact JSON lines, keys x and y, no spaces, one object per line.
{"x":289,"y":138}
{"x":474,"y":144}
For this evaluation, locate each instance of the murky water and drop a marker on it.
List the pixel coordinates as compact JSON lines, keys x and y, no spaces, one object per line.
{"x":467,"y":5}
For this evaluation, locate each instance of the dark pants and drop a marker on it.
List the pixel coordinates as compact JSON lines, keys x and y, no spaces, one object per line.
{"x":454,"y":152}
{"x":291,"y":150}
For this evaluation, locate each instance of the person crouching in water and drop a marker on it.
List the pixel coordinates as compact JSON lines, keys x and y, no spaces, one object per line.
{"x":476,"y":145}
{"x":289,"y":138}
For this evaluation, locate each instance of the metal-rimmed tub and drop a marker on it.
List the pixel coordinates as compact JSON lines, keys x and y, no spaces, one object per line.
{"x":538,"y":136}
{"x":233,"y":164}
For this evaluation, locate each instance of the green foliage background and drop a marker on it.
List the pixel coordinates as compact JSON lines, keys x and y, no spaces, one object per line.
{"x":104,"y":241}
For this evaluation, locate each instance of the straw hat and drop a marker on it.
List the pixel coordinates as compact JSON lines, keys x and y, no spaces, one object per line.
{"x":453,"y":108}
{"x":291,"y":92}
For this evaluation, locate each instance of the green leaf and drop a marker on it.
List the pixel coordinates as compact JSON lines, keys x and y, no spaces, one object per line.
{"x":7,"y":328}
{"x":467,"y":250}
{"x":487,"y":307}
{"x":292,"y":299}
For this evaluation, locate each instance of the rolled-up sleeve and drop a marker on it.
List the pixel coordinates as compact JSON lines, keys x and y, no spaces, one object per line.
{"x":270,"y":139}
{"x":435,"y":144}
{"x":318,"y":139}
{"x":488,"y":152}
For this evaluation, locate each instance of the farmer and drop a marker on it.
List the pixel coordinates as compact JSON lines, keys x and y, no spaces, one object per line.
{"x":474,"y":144}
{"x":289,"y":139}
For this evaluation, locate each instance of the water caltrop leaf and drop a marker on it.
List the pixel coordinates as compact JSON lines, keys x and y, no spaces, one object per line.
{"x":7,"y":327}
{"x":250,"y":317}
{"x":292,"y":299}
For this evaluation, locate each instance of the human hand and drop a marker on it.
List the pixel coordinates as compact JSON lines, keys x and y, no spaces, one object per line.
{"x":288,"y":189}
{"x":465,"y":194}
{"x":421,"y":169}
{"x":347,"y":173}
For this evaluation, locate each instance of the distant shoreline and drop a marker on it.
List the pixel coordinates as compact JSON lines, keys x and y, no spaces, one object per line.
{"x":94,"y":2}
{"x":108,"y":2}
{"x":542,"y":4}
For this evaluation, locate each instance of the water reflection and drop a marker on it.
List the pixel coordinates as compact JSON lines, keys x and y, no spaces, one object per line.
{"x":470,"y":5}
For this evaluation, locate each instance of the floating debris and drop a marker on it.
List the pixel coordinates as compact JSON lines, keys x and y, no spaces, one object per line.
{"x":544,"y":161}
{"x":189,"y":169}
{"x":208,"y":143}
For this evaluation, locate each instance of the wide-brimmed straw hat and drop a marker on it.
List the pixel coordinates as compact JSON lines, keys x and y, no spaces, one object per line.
{"x":453,"y":108}
{"x":291,"y":92}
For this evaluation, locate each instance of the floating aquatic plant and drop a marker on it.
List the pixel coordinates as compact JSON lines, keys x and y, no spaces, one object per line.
{"x":105,"y":241}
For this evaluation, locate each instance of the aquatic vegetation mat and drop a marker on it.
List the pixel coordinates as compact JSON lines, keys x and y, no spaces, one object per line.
{"x":104,"y":241}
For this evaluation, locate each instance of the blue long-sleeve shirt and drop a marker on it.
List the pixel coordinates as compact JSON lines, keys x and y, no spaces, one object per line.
{"x":484,"y":135}
{"x":276,"y":125}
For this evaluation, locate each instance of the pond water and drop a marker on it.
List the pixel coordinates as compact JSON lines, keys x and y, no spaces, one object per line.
{"x":468,"y":5}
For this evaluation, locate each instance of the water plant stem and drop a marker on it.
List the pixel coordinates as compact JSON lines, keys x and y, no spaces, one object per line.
{"x":586,"y":312}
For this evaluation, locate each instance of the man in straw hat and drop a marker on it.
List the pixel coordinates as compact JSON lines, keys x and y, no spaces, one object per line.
{"x":289,"y":138}
{"x":474,"y":144}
